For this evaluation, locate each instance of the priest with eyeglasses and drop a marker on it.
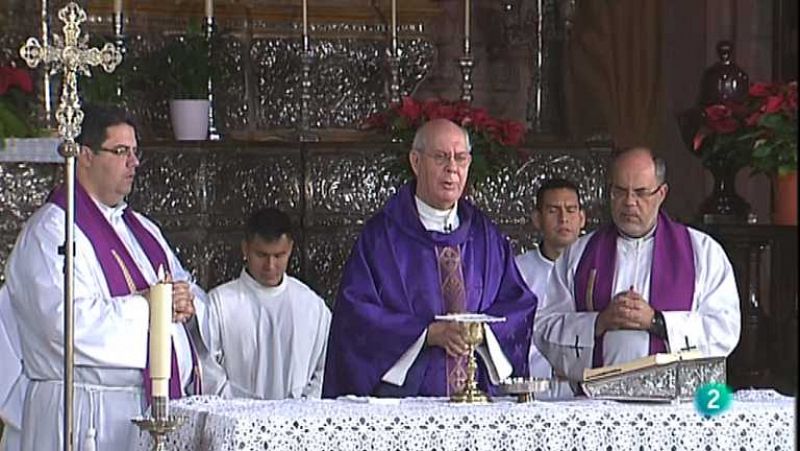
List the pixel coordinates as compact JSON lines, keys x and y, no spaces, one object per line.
{"x":642,"y":285}
{"x":428,"y":252}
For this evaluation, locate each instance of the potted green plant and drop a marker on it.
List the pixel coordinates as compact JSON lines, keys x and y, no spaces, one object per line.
{"x":183,"y":65}
{"x":16,"y":94}
{"x":775,"y":150}
{"x":101,"y":87}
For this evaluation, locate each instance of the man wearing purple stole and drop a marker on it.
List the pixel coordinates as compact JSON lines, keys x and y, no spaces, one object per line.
{"x":117,"y":255}
{"x":642,"y":285}
{"x":427,"y":253}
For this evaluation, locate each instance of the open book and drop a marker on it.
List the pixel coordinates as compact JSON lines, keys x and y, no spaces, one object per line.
{"x":591,"y":374}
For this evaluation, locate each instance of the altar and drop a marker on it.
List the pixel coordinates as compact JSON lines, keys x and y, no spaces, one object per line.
{"x":758,"y":420}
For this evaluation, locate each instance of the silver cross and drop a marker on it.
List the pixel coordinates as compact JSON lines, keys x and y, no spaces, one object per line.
{"x":71,"y":56}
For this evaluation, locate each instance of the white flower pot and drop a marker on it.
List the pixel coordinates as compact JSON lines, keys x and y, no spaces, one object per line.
{"x":189,"y":119}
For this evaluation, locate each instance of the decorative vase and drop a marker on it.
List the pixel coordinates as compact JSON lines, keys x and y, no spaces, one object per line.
{"x":724,"y":205}
{"x":784,"y":199}
{"x":189,"y":119}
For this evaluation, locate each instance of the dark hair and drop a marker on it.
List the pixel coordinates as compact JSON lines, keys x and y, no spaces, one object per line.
{"x":554,"y":184}
{"x":658,"y":163}
{"x":96,"y":121}
{"x":268,"y":224}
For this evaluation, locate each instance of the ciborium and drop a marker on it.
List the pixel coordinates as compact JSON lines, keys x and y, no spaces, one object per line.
{"x":473,"y":335}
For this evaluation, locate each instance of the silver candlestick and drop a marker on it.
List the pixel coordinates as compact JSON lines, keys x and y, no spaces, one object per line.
{"x":304,"y":133}
{"x":466,"y":63}
{"x":213,"y":133}
{"x":118,"y":21}
{"x":393,"y":61}
{"x":394,"y":81}
{"x":160,"y":423}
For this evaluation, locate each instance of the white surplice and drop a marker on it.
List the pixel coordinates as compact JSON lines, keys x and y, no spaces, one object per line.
{"x":535,"y":269}
{"x":712,"y":326}
{"x":271,"y":341}
{"x":110,"y":335}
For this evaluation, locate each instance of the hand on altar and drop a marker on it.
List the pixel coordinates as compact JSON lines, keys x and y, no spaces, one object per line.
{"x":627,"y":310}
{"x":182,"y":301}
{"x":448,"y":335}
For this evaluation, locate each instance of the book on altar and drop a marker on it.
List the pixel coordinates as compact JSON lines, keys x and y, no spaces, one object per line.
{"x":650,"y":361}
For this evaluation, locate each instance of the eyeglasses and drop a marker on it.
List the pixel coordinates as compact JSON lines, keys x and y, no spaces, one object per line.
{"x":617,"y":192}
{"x":461,"y":159}
{"x":123,"y":151}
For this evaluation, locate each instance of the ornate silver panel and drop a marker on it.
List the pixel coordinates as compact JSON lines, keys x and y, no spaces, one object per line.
{"x":168,"y":186}
{"x":325,"y":254}
{"x":231,"y":94}
{"x":242,"y":181}
{"x":348,"y":79}
{"x":24,"y":188}
{"x":347,"y":188}
{"x":677,"y":381}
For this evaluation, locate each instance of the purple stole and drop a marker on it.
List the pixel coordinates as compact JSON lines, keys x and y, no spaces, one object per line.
{"x":672,"y":275}
{"x":121,"y":272}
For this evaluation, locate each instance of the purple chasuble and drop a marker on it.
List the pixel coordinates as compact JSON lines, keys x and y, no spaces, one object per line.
{"x":109,"y":248}
{"x":672,"y":274}
{"x":391,"y":289}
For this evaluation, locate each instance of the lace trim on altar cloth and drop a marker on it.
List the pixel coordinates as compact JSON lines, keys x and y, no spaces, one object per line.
{"x":758,"y":420}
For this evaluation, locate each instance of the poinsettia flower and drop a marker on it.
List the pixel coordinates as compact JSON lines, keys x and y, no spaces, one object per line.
{"x":773,"y":104}
{"x":410,"y":109}
{"x":697,"y":142}
{"x":725,"y":125}
{"x":761,"y":89}
{"x":513,"y":133}
{"x":760,"y":129}
{"x":14,"y":77}
{"x":717,"y":112}
{"x":753,"y":119}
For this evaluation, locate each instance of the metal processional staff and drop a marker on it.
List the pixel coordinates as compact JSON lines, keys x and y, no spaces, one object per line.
{"x":71,"y":56}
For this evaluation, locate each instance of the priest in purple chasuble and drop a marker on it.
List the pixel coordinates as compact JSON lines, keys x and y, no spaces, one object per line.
{"x":642,"y":285}
{"x":427,"y":253}
{"x":117,"y":256}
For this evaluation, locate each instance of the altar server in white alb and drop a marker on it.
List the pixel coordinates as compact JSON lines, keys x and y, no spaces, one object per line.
{"x":117,"y":255}
{"x":642,"y":285}
{"x":267,"y":329}
{"x":559,"y":217}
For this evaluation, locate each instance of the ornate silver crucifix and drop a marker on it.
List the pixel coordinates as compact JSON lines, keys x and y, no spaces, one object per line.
{"x":71,"y":56}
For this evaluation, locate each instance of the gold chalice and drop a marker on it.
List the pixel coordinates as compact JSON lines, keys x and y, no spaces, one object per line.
{"x":471,"y":394}
{"x":474,"y":335}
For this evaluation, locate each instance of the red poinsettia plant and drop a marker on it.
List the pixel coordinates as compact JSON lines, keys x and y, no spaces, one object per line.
{"x":491,"y":139}
{"x":16,"y":94}
{"x":760,"y":130}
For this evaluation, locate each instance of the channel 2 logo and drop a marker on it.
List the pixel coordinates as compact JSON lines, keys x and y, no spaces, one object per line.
{"x":712,"y":399}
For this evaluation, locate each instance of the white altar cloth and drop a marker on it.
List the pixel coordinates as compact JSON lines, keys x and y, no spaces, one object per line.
{"x":758,"y":420}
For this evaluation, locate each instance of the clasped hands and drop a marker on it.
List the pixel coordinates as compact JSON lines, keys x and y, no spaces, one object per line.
{"x":627,"y":310}
{"x":182,"y":300}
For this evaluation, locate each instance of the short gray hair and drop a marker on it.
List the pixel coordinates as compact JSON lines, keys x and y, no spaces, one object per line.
{"x":420,"y":142}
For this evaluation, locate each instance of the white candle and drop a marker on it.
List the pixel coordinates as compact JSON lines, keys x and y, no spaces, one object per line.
{"x":305,"y":17}
{"x":209,"y":8}
{"x":117,"y":6}
{"x":160,"y":339}
{"x":466,"y":19}
{"x":394,"y":20}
